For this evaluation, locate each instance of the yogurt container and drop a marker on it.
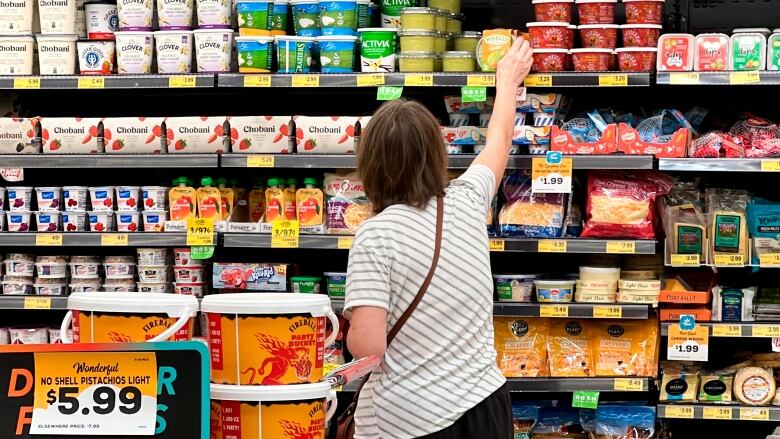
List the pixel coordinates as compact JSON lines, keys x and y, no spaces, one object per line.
{"x":188,"y":274}
{"x":135,"y":15}
{"x":17,"y":56}
{"x":553,"y":10}
{"x":102,"y":198}
{"x":154,"y":220}
{"x":29,"y":335}
{"x":174,"y":51}
{"x":19,"y":197}
{"x":152,"y":273}
{"x":338,"y":17}
{"x":134,"y":52}
{"x":102,"y":19}
{"x":81,"y":19}
{"x":596,"y":11}
{"x":390,"y":11}
{"x":644,"y":11}
{"x":306,"y":18}
{"x":47,"y":221}
{"x":19,"y":268}
{"x":377,"y":49}
{"x":101,"y":221}
{"x":550,"y":60}
{"x":294,"y":54}
{"x":73,"y":221}
{"x":154,"y":197}
{"x":554,"y":290}
{"x":174,"y":14}
{"x":16,"y":17}
{"x":305,"y":284}
{"x":48,"y":198}
{"x":153,"y":287}
{"x":57,"y":54}
{"x":74,"y":198}
{"x":212,"y":50}
{"x":120,"y":270}
{"x":255,"y":54}
{"x":45,"y":270}
{"x":336,"y":284}
{"x":549,"y":35}
{"x":152,"y":256}
{"x":337,"y":53}
{"x":514,"y":287}
{"x":255,"y":17}
{"x":183,"y":258}
{"x":17,"y":287}
{"x":84,"y":270}
{"x":127,"y":198}
{"x":96,"y":57}
{"x":279,"y":18}
{"x":128,"y":221}
{"x":190,"y":289}
{"x":57,"y":16}
{"x":18,"y":220}
{"x":214,"y":14}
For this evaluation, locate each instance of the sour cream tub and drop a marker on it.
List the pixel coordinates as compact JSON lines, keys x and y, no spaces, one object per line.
{"x":286,"y":330}
{"x":16,"y":17}
{"x":174,"y":51}
{"x":554,"y":290}
{"x":102,"y":20}
{"x":96,"y":57}
{"x":129,"y":317}
{"x":57,"y":16}
{"x":17,"y":55}
{"x":57,"y":54}
{"x":135,"y":15}
{"x":212,"y":50}
{"x":134,"y":55}
{"x":174,"y":14}
{"x":514,"y":287}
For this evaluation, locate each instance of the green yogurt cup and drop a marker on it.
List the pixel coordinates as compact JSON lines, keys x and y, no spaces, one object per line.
{"x":377,"y":49}
{"x":305,"y":284}
{"x":294,"y":54}
{"x":336,"y":283}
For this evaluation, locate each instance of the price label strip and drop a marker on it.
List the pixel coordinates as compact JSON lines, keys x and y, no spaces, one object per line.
{"x":91,"y":82}
{"x":418,"y":80}
{"x":551,"y":175}
{"x":769,"y":260}
{"x":613,"y":80}
{"x":37,"y":303}
{"x":481,"y":80}
{"x":95,"y":393}
{"x":740,"y":78}
{"x":554,"y":311}
{"x":200,"y":231}
{"x":180,"y":81}
{"x":27,"y":83}
{"x":370,"y":79}
{"x":284,"y":234}
{"x":48,"y":239}
{"x":678,"y":412}
{"x":688,"y":345}
{"x":684,"y":78}
{"x":770,"y":165}
{"x":538,"y":81}
{"x":305,"y":80}
{"x":716,"y":413}
{"x":726,"y":330}
{"x":628,"y":385}
{"x":345,"y":242}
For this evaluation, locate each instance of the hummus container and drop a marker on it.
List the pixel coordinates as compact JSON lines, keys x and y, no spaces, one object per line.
{"x":455,"y":23}
{"x":644,"y":11}
{"x":514,"y":287}
{"x":153,"y":273}
{"x":596,"y":11}
{"x":418,"y":19}
{"x":74,"y":198}
{"x":154,"y":220}
{"x":84,"y":270}
{"x":598,"y":36}
{"x":16,"y":17}
{"x":305,"y":284}
{"x":128,"y":221}
{"x":255,"y":17}
{"x":336,"y":284}
{"x":212,"y":50}
{"x":550,"y":60}
{"x":441,"y":21}
{"x":120,"y":270}
{"x":73,"y":221}
{"x":102,"y":198}
{"x":467,"y":41}
{"x":417,"y":40}
{"x":29,"y":335}
{"x":640,"y":35}
{"x":639,"y":274}
{"x":173,"y":52}
{"x":591,"y":60}
{"x":748,"y":52}
{"x":18,"y":287}
{"x":675,"y":53}
{"x":19,"y":197}
{"x":255,"y":54}
{"x":48,"y":199}
{"x":214,"y":14}
{"x":377,"y":49}
{"x":294,"y":54}
{"x":338,"y":17}
{"x":51,"y":289}
{"x":153,"y":287}
{"x":636,"y":59}
{"x":101,"y":221}
{"x":102,"y":19}
{"x":446,"y":5}
{"x":416,"y":61}
{"x":18,"y":220}
{"x":188,"y":274}
{"x":306,"y":17}
{"x":773,"y":52}
{"x":135,"y":15}
{"x":190,"y":289}
{"x":57,"y":54}
{"x":96,"y":57}
{"x":337,"y":53}
{"x":19,"y":268}
{"x":17,"y":56}
{"x":174,"y":14}
{"x":183,"y":258}
{"x":549,"y":35}
{"x":152,"y":256}
{"x":712,"y":52}
{"x":127,"y":197}
{"x":134,"y":52}
{"x":553,"y":10}
{"x":270,"y":320}
{"x":459,"y":61}
{"x":154,"y":197}
{"x":47,"y":221}
{"x":57,"y":16}
{"x":554,"y":290}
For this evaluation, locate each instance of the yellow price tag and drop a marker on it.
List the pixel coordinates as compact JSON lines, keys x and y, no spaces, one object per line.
{"x":50,"y":239}
{"x":729,"y":260}
{"x":418,"y":80}
{"x":260,"y":161}
{"x":716,"y":413}
{"x":92,"y":82}
{"x":284,"y":234}
{"x":607,"y":312}
{"x":726,"y":331}
{"x":628,"y":385}
{"x":685,"y":260}
{"x":769,"y":260}
{"x":739,"y":78}
{"x":37,"y":303}
{"x":181,"y":81}
{"x":683,"y":78}
{"x":200,"y":231}
{"x":370,"y":79}
{"x":554,"y":311}
{"x":27,"y":83}
{"x":306,"y":80}
{"x":551,"y":246}
{"x":770,"y":165}
{"x":679,"y":412}
{"x":481,"y":80}
{"x":766,"y":331}
{"x":538,"y":81}
{"x":257,"y":81}
{"x":753,"y":414}
{"x":496,"y":245}
{"x":114,"y":239}
{"x":345,"y":242}
{"x":621,"y":247}
{"x":613,"y":80}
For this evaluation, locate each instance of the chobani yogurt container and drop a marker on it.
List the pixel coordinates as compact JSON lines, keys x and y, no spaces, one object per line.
{"x":57,"y":16}
{"x":214,"y":14}
{"x":134,"y":52}
{"x":212,"y":50}
{"x":174,"y":51}
{"x":96,"y":57}
{"x":102,"y":20}
{"x":57,"y":54}
{"x":174,"y":14}
{"x":16,"y":55}
{"x":135,"y":15}
{"x":16,"y":17}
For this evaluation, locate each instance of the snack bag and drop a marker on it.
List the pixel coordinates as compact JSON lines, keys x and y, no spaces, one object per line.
{"x":622,"y":348}
{"x":521,"y":346}
{"x":633,"y":422}
{"x":529,"y":215}
{"x":568,"y":349}
{"x":346,"y":203}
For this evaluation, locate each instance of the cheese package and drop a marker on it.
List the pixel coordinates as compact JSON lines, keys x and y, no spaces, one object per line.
{"x":623,"y":348}
{"x":716,"y":387}
{"x":727,"y":221}
{"x":527,"y":214}
{"x":679,"y":384}
{"x":568,"y":349}
{"x":732,"y":304}
{"x":764,"y":227}
{"x":346,"y":203}
{"x":754,"y":386}
{"x":521,"y":346}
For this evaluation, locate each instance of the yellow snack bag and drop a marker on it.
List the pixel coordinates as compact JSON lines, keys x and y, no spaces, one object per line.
{"x":622,"y":348}
{"x":520,"y":344}
{"x":568,"y":349}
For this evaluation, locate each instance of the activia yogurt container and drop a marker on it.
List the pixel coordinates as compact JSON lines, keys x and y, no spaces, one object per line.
{"x":135,"y":15}
{"x":212,"y":50}
{"x":96,"y":57}
{"x":338,"y":17}
{"x":390,"y":11}
{"x":174,"y":14}
{"x":57,"y":54}
{"x":17,"y":58}
{"x":306,"y":17}
{"x":294,"y":53}
{"x":57,"y":16}
{"x":255,"y":17}
{"x":255,"y":54}
{"x":214,"y":14}
{"x":134,"y":52}
{"x":102,"y":20}
{"x":377,"y":49}
{"x":173,"y":51}
{"x":337,"y":53}
{"x":279,"y":18}
{"x":16,"y":17}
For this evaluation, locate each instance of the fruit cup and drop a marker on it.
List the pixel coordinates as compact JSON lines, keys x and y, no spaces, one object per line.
{"x":128,"y":221}
{"x":550,"y":60}
{"x":73,"y":221}
{"x":598,"y":36}
{"x":19,"y":197}
{"x":596,"y":11}
{"x":551,"y":35}
{"x":591,"y":60}
{"x":644,"y":11}
{"x":553,"y":10}
{"x":18,"y":220}
{"x":190,"y":289}
{"x":127,"y":198}
{"x":101,"y":198}
{"x":101,"y":221}
{"x":74,"y":198}
{"x":636,"y":59}
{"x":640,"y":35}
{"x":47,"y":221}
{"x":48,"y":199}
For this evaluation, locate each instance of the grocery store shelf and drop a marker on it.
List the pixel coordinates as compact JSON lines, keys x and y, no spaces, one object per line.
{"x":110,"y":160}
{"x":33,"y":302}
{"x":357,"y":80}
{"x":109,"y":81}
{"x":718,"y":78}
{"x":736,"y":329}
{"x":561,"y":385}
{"x":718,"y":412}
{"x":589,"y":79}
{"x":461,"y":161}
{"x":718,"y":165}
{"x":137,"y":239}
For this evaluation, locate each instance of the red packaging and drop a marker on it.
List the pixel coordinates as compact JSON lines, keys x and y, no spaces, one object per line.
{"x":629,"y":142}
{"x":640,"y":35}
{"x":562,"y":141}
{"x":572,"y":29}
{"x":636,"y":59}
{"x":712,"y":52}
{"x":553,"y":10}
{"x":596,"y":11}
{"x":675,"y":53}
{"x":644,"y":11}
{"x":591,"y":60}
{"x":550,"y":60}
{"x":598,"y":36}
{"x":549,"y":35}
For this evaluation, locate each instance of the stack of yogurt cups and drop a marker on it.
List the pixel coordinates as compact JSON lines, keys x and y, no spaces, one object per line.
{"x":154,"y":270}
{"x":18,"y":279}
{"x":155,"y":208}
{"x":189,"y":274}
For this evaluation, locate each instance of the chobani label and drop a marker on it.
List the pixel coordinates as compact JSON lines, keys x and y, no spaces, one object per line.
{"x":377,"y":51}
{"x":265,"y":134}
{"x":16,"y":57}
{"x":391,"y":11}
{"x":16,"y":16}
{"x":57,"y":16}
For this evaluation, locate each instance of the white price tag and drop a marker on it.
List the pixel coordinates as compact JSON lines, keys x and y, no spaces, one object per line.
{"x":551,"y":174}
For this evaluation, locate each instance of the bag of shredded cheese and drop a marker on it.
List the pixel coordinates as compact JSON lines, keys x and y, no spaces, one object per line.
{"x":622,"y":348}
{"x":568,"y":349}
{"x":520,"y":345}
{"x":527,"y":214}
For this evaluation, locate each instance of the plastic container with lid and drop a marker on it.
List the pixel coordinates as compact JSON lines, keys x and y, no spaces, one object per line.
{"x":550,"y":60}
{"x":467,"y":41}
{"x":752,"y":30}
{"x":553,"y":10}
{"x":57,"y":54}
{"x":418,"y":18}
{"x":134,"y":53}
{"x":554,"y":290}
{"x":337,"y":53}
{"x":636,"y":59}
{"x":640,"y":35}
{"x":773,"y":52}
{"x":135,"y":15}
{"x":305,"y":284}
{"x":514,"y":287}
{"x":294,"y":54}
{"x":306,"y":18}
{"x":17,"y":56}
{"x":338,"y":17}
{"x":255,"y":54}
{"x":592,"y":273}
{"x":675,"y":53}
{"x":377,"y":49}
{"x":598,"y":36}
{"x":16,"y":17}
{"x":644,"y":11}
{"x":102,"y":19}
{"x":57,"y":16}
{"x":596,"y":11}
{"x":213,"y":50}
{"x":549,"y":35}
{"x":455,"y":23}
{"x":748,"y":51}
{"x":336,"y":284}
{"x":175,"y":15}
{"x":441,"y":20}
{"x":417,"y":40}
{"x":416,"y":61}
{"x":459,"y":61}
{"x":446,"y":5}
{"x":591,"y":60}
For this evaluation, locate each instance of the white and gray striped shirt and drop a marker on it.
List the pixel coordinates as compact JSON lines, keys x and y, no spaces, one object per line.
{"x":442,"y":362}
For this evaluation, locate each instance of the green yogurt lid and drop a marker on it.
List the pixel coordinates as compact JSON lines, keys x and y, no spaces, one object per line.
{"x":305,"y":279}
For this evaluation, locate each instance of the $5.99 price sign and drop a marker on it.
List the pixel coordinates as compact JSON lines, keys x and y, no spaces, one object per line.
{"x":108,"y":393}
{"x":551,"y":175}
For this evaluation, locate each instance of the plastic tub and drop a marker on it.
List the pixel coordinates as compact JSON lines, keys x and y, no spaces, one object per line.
{"x":57,"y":16}
{"x":591,"y":60}
{"x":675,"y":52}
{"x":16,"y":17}
{"x":19,"y":197}
{"x":455,"y":23}
{"x":17,"y":56}
{"x":74,"y":198}
{"x":212,"y":50}
{"x":305,"y":284}
{"x":337,"y":53}
{"x":467,"y":41}
{"x":416,"y":61}
{"x":294,"y":54}
{"x":134,"y":52}
{"x":712,"y":52}
{"x":255,"y":17}
{"x":154,"y":197}
{"x":448,"y":5}
{"x":418,"y":19}
{"x":101,"y":221}
{"x":153,"y":287}
{"x":102,"y":198}
{"x":119,"y":270}
{"x":214,"y":14}
{"x":152,"y":256}
{"x":173,"y":52}
{"x":188,"y":274}
{"x":336,"y":284}
{"x":280,"y":16}
{"x":57,"y":54}
{"x":338,"y":17}
{"x":268,"y":321}
{"x":96,"y":57}
{"x":549,"y":35}
{"x":127,"y":197}
{"x":596,"y":11}
{"x":748,"y":52}
{"x":47,"y":221}
{"x":183,"y":258}
{"x":73,"y":221}
{"x":593,"y":273}
{"x":102,"y":19}
{"x":550,"y":60}
{"x":154,"y":220}
{"x":29,"y":335}
{"x":85,"y":287}
{"x":514,"y":287}
{"x":51,"y":289}
{"x":554,"y":290}
{"x":459,"y":61}
{"x":363,"y":14}
{"x":19,"y":267}
{"x":128,"y":221}
{"x":640,"y":35}
{"x":636,"y":59}
{"x":54,"y":335}
{"x":18,"y":287}
{"x":644,"y":11}
{"x":553,"y":10}
{"x":441,"y":21}
{"x":135,"y":15}
{"x":377,"y":49}
{"x":48,"y":198}
{"x":773,"y":52}
{"x":84,"y":270}
{"x":18,"y":220}
{"x":129,"y":317}
{"x":255,"y":54}
{"x":175,"y":14}
{"x":306,"y":18}
{"x":598,"y":36}
{"x":190,"y":289}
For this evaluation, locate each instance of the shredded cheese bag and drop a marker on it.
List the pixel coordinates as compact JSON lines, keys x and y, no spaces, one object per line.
{"x":527,"y":214}
{"x":520,"y":345}
{"x":568,"y":349}
{"x":622,"y":348}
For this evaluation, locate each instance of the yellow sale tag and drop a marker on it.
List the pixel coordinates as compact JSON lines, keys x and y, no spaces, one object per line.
{"x":766,"y":331}
{"x":551,"y":246}
{"x":548,"y":177}
{"x":607,"y":312}
{"x":114,"y":239}
{"x":260,"y":161}
{"x":92,"y":82}
{"x":27,"y":83}
{"x":284,"y":234}
{"x":769,"y":260}
{"x":685,"y":260}
{"x":200,"y":231}
{"x":37,"y":303}
{"x":729,"y":260}
{"x":738,"y":78}
{"x":554,"y":311}
{"x":621,"y":247}
{"x":753,"y":414}
{"x":345,"y":242}
{"x":370,"y":79}
{"x":770,"y":165}
{"x":481,"y":80}
{"x":257,"y":81}
{"x":306,"y":80}
{"x":613,"y":80}
{"x":680,"y":412}
{"x":628,"y":385}
{"x":418,"y":80}
{"x":52,"y":239}
{"x":538,"y":81}
{"x":726,"y":331}
{"x":180,"y":81}
{"x":716,"y":413}
{"x":496,"y":245}
{"x":684,"y":78}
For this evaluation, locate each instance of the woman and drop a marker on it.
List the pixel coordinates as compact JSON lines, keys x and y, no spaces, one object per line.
{"x":438,"y":378}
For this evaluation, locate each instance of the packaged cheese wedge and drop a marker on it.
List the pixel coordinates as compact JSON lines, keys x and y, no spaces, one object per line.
{"x":727,"y":221}
{"x":568,"y":349}
{"x":521,"y":346}
{"x":754,"y":386}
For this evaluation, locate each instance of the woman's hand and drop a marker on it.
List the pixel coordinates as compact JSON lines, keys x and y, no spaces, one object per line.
{"x":514,"y":66}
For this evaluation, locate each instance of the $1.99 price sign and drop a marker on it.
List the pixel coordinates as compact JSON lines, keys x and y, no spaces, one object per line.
{"x":107,"y":393}
{"x":551,"y":175}
{"x":688,"y":345}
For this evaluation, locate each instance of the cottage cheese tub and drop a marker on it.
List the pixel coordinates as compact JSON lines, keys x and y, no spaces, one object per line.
{"x":134,"y":52}
{"x":57,"y":16}
{"x":135,"y":15}
{"x":102,"y":20}
{"x":57,"y":54}
{"x":16,"y":55}
{"x":268,"y":339}
{"x":16,"y":17}
{"x":174,"y":51}
{"x":554,"y":290}
{"x":212,"y":50}
{"x":174,"y":14}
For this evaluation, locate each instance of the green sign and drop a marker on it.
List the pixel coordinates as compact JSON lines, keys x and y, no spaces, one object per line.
{"x":202,"y":251}
{"x":388,"y":93}
{"x":473,"y":94}
{"x":585,"y":400}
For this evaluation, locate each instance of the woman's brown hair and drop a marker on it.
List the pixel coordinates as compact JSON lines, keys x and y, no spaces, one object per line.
{"x":402,"y":158}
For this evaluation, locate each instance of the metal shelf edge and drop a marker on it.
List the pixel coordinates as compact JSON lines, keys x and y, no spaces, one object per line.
{"x":110,"y":160}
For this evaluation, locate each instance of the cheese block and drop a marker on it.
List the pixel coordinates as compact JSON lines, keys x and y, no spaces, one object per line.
{"x":688,"y":239}
{"x":639,"y":274}
{"x":754,"y":386}
{"x":728,"y":231}
{"x":588,"y":297}
{"x":640,"y":285}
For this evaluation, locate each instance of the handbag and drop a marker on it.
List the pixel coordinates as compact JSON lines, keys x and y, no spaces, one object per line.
{"x":346,"y":422}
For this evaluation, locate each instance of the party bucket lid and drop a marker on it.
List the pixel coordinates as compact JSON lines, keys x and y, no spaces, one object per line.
{"x":152,"y":303}
{"x":267,"y":303}
{"x":295,"y":392}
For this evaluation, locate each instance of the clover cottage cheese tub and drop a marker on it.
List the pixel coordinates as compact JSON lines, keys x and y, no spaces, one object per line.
{"x":57,"y":54}
{"x":16,"y":55}
{"x":16,"y":17}
{"x":174,"y":51}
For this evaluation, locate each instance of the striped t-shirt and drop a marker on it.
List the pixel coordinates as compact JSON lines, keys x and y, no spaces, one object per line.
{"x":442,"y":363}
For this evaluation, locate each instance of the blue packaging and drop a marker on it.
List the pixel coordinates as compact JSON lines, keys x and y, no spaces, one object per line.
{"x":764,"y":227}
{"x":529,"y":215}
{"x":337,"y":53}
{"x":338,"y":17}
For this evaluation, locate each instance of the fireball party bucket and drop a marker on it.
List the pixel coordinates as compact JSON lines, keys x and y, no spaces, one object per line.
{"x":268,"y":338}
{"x":260,"y":412}
{"x":100,"y":317}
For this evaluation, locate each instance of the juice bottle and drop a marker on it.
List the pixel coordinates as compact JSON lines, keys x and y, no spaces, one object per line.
{"x":289,"y":199}
{"x":274,"y":201}
{"x":309,"y":202}
{"x":227,"y":198}
{"x":181,"y":199}
{"x":209,"y":200}
{"x":241,"y":206}
{"x":257,"y":202}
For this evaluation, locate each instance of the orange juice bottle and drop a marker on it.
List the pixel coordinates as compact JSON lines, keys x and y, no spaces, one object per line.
{"x":227,"y":198}
{"x":274,"y":201}
{"x":289,"y":199}
{"x":209,"y":200}
{"x":181,"y":199}
{"x":257,"y":202}
{"x":241,"y":205}
{"x":309,"y":203}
